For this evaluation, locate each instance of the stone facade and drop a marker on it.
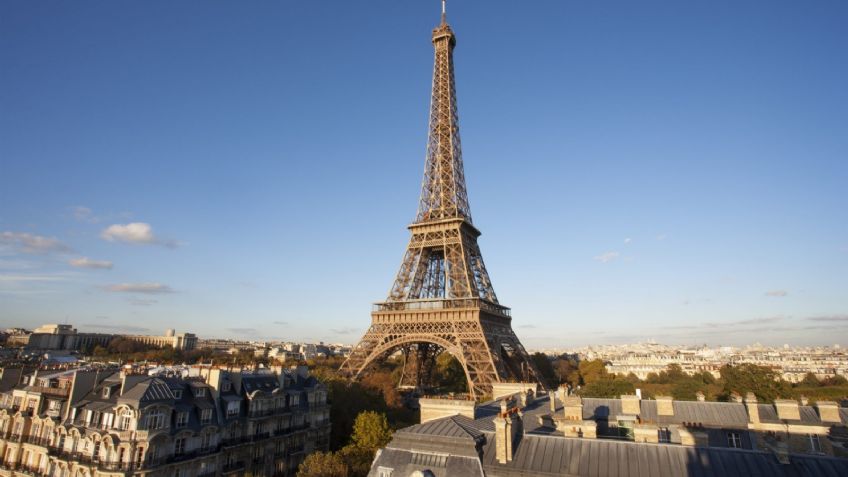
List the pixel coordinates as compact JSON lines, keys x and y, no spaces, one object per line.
{"x":204,"y":423}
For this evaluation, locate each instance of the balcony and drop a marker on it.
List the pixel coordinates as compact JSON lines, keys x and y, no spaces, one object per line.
{"x":58,"y":392}
{"x":437,"y":304}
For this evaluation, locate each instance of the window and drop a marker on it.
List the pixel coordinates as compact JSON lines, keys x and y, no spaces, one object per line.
{"x":205,"y":416}
{"x":178,"y":472}
{"x":125,"y":420}
{"x":179,"y":446}
{"x":200,"y":392}
{"x":734,"y":440}
{"x":625,"y":429}
{"x":106,"y":392}
{"x":178,"y":393}
{"x":815,"y":444}
{"x":182,"y":419}
{"x":156,"y":420}
{"x":206,"y":441}
{"x":233,"y":409}
{"x":226,"y":386}
{"x":384,"y":471}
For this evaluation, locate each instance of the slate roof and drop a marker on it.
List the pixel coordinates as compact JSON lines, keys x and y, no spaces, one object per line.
{"x":148,"y":391}
{"x":542,"y":451}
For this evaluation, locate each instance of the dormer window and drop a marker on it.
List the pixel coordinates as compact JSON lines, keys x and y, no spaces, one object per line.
{"x":226,"y":386}
{"x":182,"y":419}
{"x":178,"y":393}
{"x":107,"y":391}
{"x":200,"y":392}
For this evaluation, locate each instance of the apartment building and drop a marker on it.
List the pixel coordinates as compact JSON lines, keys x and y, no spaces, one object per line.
{"x":204,"y":423}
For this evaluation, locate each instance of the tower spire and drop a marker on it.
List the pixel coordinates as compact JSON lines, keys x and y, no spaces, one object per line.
{"x":443,"y":192}
{"x":444,"y":14}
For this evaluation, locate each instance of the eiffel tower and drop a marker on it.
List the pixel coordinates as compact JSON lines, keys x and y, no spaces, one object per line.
{"x":442,"y":299}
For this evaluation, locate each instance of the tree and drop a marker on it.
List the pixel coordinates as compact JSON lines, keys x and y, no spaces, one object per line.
{"x":545,"y":368}
{"x":607,"y":388}
{"x":567,"y":370}
{"x":686,"y":390}
{"x":357,"y":459}
{"x":810,"y":380}
{"x":591,"y":371}
{"x":323,"y":464}
{"x":449,"y":374}
{"x":371,"y":430}
{"x":763,"y":381}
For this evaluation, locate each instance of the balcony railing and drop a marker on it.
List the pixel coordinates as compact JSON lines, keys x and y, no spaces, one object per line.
{"x":437,"y":304}
{"x":59,"y":392}
{"x":232,"y":466}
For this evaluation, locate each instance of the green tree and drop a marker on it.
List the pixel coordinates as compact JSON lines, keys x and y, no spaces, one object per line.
{"x":371,"y":430}
{"x":607,"y":388}
{"x":810,"y":380}
{"x":323,"y":464}
{"x":450,"y":377}
{"x":686,"y":390}
{"x":763,"y":381}
{"x":545,"y":368}
{"x":357,"y":459}
{"x":591,"y":371}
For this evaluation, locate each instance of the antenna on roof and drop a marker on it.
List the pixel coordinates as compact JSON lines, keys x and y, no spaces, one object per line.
{"x":444,"y":15}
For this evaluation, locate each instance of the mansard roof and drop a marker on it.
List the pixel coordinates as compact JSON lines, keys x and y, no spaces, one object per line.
{"x":148,"y":391}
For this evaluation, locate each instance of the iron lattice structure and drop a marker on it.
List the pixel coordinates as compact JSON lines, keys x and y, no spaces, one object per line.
{"x":442,"y":299}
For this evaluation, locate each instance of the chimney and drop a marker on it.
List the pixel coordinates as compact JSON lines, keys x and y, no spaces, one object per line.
{"x":552,"y":401}
{"x":631,"y":404}
{"x":804,"y":401}
{"x":572,"y":407}
{"x":700,"y":396}
{"x":753,"y":410}
{"x":507,"y":428}
{"x":787,"y":409}
{"x":736,"y":397}
{"x":665,"y":406}
{"x":828,"y":411}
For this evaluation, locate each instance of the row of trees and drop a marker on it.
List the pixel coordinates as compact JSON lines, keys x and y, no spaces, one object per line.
{"x":591,"y":379}
{"x":371,"y":431}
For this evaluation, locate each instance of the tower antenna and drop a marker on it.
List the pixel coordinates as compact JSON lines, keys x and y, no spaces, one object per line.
{"x":444,"y":14}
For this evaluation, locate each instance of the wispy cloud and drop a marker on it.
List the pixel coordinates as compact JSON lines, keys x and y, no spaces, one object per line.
{"x":120,"y":328}
{"x":527,"y":326}
{"x":145,"y":288}
{"x":281,"y":323}
{"x":662,"y":237}
{"x":142,"y":301}
{"x":244,"y":331}
{"x":627,"y":241}
{"x":344,"y":331}
{"x":777,"y":293}
{"x":18,"y":278}
{"x":33,"y":244}
{"x":85,"y":262}
{"x":607,"y":257}
{"x":138,"y":233}
{"x":84,"y":214}
{"x":829,"y":318}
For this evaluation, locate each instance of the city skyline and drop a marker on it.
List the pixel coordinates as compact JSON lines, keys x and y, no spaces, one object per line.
{"x":198,"y":177}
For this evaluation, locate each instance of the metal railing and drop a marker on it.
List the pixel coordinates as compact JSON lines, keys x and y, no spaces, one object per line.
{"x":438,"y":304}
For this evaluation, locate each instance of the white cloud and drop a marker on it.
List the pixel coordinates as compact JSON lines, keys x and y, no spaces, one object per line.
{"x":136,"y":233}
{"x":85,"y":262}
{"x":607,"y":257}
{"x":9,"y":278}
{"x":777,"y":293}
{"x":662,"y":236}
{"x":146,"y":288}
{"x":35,"y":244}
{"x":627,"y":241}
{"x":84,"y":214}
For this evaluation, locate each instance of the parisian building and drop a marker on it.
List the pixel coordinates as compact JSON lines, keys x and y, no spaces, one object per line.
{"x":196,"y":422}
{"x":525,"y":434}
{"x":66,"y":338}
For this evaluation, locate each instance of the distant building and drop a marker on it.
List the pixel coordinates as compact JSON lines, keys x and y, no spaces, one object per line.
{"x":66,"y":337}
{"x":206,"y":423}
{"x":524,"y":435}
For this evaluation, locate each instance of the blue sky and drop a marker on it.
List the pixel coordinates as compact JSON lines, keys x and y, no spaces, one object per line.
{"x":659,"y":169}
